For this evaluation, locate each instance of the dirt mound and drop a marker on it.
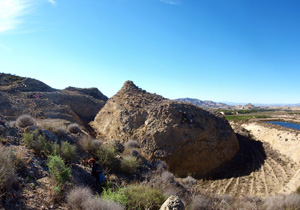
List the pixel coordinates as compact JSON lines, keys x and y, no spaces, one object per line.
{"x":168,"y":130}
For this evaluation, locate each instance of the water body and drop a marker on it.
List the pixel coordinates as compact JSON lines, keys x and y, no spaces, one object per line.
{"x":285,"y":124}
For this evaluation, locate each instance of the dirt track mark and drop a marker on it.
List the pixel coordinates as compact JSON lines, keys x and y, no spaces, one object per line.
{"x":257,"y":171}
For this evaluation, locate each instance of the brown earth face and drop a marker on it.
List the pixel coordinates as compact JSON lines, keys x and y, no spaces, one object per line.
{"x":190,"y":139}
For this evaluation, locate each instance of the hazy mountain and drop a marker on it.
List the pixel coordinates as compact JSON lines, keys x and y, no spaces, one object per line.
{"x":205,"y":103}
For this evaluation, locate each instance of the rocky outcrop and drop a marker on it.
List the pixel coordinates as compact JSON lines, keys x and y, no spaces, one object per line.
{"x":172,"y":203}
{"x":190,"y":139}
{"x":19,"y":95}
{"x":94,"y":92}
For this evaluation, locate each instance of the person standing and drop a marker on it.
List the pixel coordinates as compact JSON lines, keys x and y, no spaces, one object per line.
{"x":96,"y":170}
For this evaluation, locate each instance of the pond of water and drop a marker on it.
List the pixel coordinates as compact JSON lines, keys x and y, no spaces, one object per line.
{"x":285,"y":124}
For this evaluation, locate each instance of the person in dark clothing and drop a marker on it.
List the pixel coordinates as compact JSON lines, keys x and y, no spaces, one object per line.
{"x":97,"y":171}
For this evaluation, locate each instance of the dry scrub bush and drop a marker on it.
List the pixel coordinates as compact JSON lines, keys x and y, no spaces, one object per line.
{"x":74,"y":128}
{"x":189,"y":181}
{"x":77,"y":196}
{"x":131,"y":144}
{"x":246,"y":203}
{"x":208,"y":202}
{"x":7,"y":171}
{"x":89,"y":144}
{"x":166,"y":182}
{"x":24,"y":121}
{"x":129,"y":164}
{"x":81,"y":198}
{"x":290,"y":202}
{"x":60,"y":132}
{"x":96,"y":203}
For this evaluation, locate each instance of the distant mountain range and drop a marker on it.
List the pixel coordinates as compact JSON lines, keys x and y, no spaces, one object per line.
{"x":205,"y":104}
{"x":231,"y":105}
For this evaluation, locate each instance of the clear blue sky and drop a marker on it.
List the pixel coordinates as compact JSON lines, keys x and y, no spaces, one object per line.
{"x":220,"y":50}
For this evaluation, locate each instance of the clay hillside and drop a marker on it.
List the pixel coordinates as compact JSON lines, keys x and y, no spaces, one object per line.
{"x":155,"y":153}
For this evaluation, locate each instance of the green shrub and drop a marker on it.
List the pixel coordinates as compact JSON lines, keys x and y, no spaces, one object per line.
{"x":142,"y":197}
{"x":129,"y":164}
{"x":28,"y":139}
{"x":58,"y":170}
{"x":106,"y":155}
{"x":38,"y":143}
{"x":24,"y":121}
{"x":55,"y":149}
{"x":41,"y":145}
{"x":68,"y":152}
{"x":7,"y":171}
{"x":118,"y":195}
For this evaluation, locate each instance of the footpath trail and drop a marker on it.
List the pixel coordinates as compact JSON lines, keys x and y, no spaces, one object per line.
{"x":257,"y":170}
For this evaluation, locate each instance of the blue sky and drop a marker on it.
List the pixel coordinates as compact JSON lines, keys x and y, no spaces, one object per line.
{"x":220,"y":50}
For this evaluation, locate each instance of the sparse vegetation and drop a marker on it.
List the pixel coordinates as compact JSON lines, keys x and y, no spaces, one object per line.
{"x":68,"y":152}
{"x":77,"y":196}
{"x":129,"y":164}
{"x":24,"y":121}
{"x":81,"y":198}
{"x":58,"y":169}
{"x":38,"y":143}
{"x":106,"y":155}
{"x":244,"y":117}
{"x":142,"y":197}
{"x":118,"y":195}
{"x":7,"y":171}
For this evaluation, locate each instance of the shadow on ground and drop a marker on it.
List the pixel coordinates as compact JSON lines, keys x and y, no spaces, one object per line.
{"x":249,"y":158}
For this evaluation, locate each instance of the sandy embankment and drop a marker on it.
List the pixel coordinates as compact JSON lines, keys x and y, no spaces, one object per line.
{"x":285,"y":141}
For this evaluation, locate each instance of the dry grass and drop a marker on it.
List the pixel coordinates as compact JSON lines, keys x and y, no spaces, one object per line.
{"x":7,"y":171}
{"x":283,"y":202}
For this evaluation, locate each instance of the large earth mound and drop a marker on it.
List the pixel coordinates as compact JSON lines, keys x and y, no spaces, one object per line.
{"x":191,"y":140}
